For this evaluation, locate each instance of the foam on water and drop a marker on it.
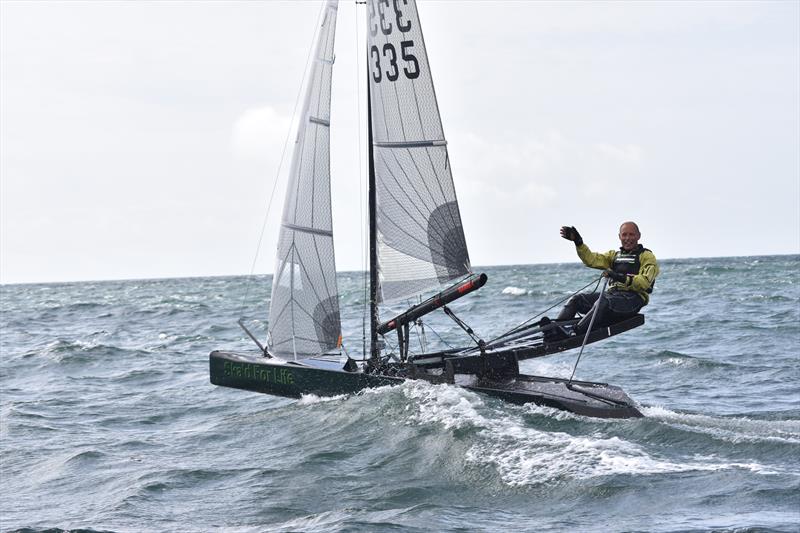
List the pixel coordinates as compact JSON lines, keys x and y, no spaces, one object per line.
{"x":524,"y":455}
{"x":311,"y":399}
{"x":514,"y":291}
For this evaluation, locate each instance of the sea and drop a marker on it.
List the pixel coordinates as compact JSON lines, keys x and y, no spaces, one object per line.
{"x":108,"y":421}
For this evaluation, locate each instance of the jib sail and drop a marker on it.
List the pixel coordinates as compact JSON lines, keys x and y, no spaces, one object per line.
{"x":304,"y":310}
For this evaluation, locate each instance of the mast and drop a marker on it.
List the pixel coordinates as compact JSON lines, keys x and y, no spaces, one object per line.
{"x":373,"y":235}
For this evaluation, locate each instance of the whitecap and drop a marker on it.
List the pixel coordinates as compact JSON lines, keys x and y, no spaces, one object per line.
{"x":444,"y":405}
{"x":514,"y":291}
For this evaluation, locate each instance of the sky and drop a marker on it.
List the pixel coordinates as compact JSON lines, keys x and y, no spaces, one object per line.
{"x":143,"y":140}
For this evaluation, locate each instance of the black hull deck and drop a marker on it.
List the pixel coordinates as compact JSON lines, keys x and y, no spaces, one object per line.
{"x":323,"y":377}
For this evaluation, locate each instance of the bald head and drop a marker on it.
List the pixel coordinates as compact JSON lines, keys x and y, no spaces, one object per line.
{"x":629,"y":235}
{"x":629,"y":223}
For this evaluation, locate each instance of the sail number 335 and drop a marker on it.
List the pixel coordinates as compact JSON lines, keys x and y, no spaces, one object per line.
{"x":384,"y":60}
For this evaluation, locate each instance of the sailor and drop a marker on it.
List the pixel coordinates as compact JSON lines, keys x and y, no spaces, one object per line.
{"x":631,"y":270}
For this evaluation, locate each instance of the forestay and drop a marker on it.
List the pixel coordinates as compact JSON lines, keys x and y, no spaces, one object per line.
{"x":304,"y":311}
{"x":419,"y":232}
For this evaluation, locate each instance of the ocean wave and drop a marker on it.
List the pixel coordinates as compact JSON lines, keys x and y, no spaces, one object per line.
{"x":78,"y":351}
{"x":445,"y":405}
{"x":541,"y":367}
{"x":731,"y":429}
{"x":522,"y":455}
{"x":535,"y":411}
{"x":670,"y":358}
{"x":527,"y":456}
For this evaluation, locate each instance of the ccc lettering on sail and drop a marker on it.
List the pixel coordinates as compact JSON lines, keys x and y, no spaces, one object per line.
{"x":392,"y":21}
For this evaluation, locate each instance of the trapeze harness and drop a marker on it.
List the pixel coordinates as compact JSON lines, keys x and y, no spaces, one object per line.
{"x":629,"y":263}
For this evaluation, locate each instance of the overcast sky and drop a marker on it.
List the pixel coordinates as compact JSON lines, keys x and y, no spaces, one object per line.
{"x":143,"y":139}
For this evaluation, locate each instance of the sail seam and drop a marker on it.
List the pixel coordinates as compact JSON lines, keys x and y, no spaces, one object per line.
{"x":433,"y":224}
{"x":400,"y":205}
{"x":314,"y":289}
{"x":456,"y":223}
{"x":422,"y":201}
{"x":439,"y":228}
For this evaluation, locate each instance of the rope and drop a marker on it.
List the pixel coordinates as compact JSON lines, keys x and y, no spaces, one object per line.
{"x":515,"y":328}
{"x":589,"y":330}
{"x":439,"y":337}
{"x":248,"y":283}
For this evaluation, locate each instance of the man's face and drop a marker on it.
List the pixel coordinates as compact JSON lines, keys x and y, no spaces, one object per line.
{"x":628,"y":236}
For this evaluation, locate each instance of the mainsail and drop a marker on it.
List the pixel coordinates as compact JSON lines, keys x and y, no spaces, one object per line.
{"x":304,"y":310}
{"x":420,"y":237}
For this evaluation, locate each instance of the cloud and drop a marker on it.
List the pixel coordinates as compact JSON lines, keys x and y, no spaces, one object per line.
{"x":535,"y":172}
{"x":259,"y":132}
{"x":608,"y":167}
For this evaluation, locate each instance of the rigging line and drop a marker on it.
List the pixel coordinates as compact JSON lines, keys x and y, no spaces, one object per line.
{"x":439,"y":336}
{"x":306,"y":70}
{"x":517,"y":327}
{"x":419,"y":338}
{"x":588,"y":330}
{"x":418,"y":326}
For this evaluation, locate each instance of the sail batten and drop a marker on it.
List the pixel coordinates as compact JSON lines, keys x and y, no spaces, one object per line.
{"x":320,"y":121}
{"x":304,"y":229}
{"x":411,"y":144}
{"x":304,"y":309}
{"x":419,"y":233}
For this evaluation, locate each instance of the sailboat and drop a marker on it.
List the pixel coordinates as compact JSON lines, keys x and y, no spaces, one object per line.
{"x":416,"y":246}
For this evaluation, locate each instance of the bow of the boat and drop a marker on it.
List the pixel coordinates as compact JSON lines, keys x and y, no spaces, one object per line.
{"x":254,"y":372}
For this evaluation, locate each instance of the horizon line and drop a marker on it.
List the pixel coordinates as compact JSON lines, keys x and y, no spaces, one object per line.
{"x":475,"y":267}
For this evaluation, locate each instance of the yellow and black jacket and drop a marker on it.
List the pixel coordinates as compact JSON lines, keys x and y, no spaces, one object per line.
{"x":639,"y":266}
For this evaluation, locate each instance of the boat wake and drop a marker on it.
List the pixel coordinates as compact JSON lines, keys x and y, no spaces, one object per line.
{"x":503,"y":438}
